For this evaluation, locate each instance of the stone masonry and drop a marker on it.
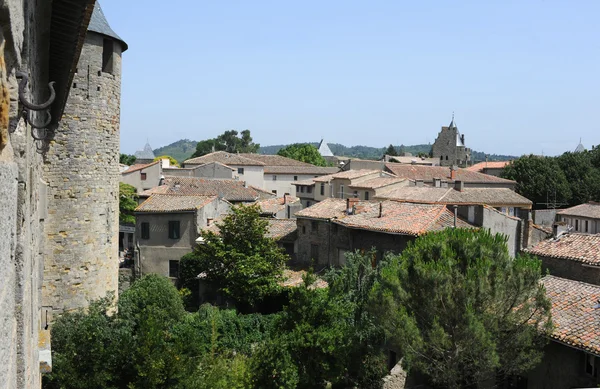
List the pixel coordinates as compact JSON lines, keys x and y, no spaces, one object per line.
{"x":82,"y":171}
{"x":449,"y":147}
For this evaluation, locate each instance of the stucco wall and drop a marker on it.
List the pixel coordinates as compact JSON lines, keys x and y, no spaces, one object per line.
{"x":579,"y":224}
{"x":153,"y":174}
{"x":544,"y":217}
{"x":284,"y":182}
{"x":82,"y":169}
{"x":561,"y":367}
{"x":253,"y":175}
{"x":159,"y":229}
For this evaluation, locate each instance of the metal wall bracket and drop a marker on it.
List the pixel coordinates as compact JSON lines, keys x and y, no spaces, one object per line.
{"x":28,"y":107}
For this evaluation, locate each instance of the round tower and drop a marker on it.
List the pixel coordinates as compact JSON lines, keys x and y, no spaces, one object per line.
{"x":82,"y":171}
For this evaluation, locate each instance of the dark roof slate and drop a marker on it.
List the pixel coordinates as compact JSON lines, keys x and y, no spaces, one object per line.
{"x":100,"y":25}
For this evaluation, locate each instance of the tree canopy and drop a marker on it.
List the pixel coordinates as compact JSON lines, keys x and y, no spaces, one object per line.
{"x":241,"y":260}
{"x":172,"y":161}
{"x":391,"y":151}
{"x":127,"y":202}
{"x":230,"y":141}
{"x":127,"y":159}
{"x":303,"y":152}
{"x":460,"y":309}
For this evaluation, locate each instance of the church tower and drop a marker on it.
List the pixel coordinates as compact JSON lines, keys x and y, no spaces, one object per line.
{"x":449,"y":147}
{"x":82,"y":171}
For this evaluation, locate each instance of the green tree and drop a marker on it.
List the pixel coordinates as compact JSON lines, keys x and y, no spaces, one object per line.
{"x":581,"y":174}
{"x":172,"y":161}
{"x":391,"y":151}
{"x":540,"y":179}
{"x":230,"y":141}
{"x":241,"y":259}
{"x":303,"y":152}
{"x":127,"y":159}
{"x":127,"y":203}
{"x":460,"y":309}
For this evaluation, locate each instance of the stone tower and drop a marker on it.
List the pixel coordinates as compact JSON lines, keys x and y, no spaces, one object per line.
{"x":82,"y":171}
{"x":450,"y":148}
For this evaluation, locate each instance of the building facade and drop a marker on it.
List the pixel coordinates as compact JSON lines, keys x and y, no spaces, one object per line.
{"x":449,"y":147}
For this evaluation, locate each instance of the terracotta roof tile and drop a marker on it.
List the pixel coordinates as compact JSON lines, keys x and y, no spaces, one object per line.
{"x":573,"y":314}
{"x":173,"y":203}
{"x":274,"y":205}
{"x":583,"y":248}
{"x":224,"y":158}
{"x":230,"y":190}
{"x":274,"y":160}
{"x":397,"y":217}
{"x":489,"y":196}
{"x":378,"y":182}
{"x":134,"y":168}
{"x":478,"y":167}
{"x":589,"y":210}
{"x":348,"y":174}
{"x":314,"y":170}
{"x":428,"y":173}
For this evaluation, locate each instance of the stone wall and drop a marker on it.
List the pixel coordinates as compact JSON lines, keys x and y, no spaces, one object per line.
{"x":22,"y":206}
{"x":572,"y":270}
{"x":446,"y":150}
{"x":82,"y":170}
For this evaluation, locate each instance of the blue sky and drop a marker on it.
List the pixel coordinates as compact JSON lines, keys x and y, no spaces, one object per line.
{"x":521,"y":76}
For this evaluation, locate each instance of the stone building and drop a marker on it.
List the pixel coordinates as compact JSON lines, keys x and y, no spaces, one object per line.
{"x":42,"y":40}
{"x":145,"y":155}
{"x":449,"y":147}
{"x":82,"y":171}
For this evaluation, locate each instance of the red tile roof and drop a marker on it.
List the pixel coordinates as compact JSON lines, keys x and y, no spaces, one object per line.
{"x":174,"y":203}
{"x":378,"y":182}
{"x":230,"y":190}
{"x":428,"y":173}
{"x":309,"y":170}
{"x":576,"y":247}
{"x":478,"y":167}
{"x":224,"y":158}
{"x":274,"y":205}
{"x":348,"y":174}
{"x":491,"y":196}
{"x":135,"y":168}
{"x":275,"y":160}
{"x":396,"y":217}
{"x":573,"y":314}
{"x":589,"y":210}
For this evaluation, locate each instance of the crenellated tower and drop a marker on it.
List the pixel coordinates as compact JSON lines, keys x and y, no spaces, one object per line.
{"x":82,"y":171}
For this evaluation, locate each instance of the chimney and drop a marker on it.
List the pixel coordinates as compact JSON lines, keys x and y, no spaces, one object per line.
{"x":351,"y":205}
{"x":245,"y":184}
{"x":166,"y":163}
{"x":459,"y":185}
{"x":380,"y":209}
{"x":437,"y":182}
{"x":452,"y":173}
{"x":419,"y":183}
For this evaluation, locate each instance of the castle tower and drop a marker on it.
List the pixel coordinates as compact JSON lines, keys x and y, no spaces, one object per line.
{"x":449,"y":147}
{"x":82,"y":172}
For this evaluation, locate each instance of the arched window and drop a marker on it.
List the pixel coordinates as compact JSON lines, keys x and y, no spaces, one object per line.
{"x":446,"y":157}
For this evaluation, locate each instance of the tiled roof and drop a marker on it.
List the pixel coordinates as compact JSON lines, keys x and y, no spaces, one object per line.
{"x":99,"y":24}
{"x":378,"y":182}
{"x":349,"y":175}
{"x":308,"y":182}
{"x":224,"y":158}
{"x":489,"y":196}
{"x":274,"y":160}
{"x":294,"y":278}
{"x":396,"y":217}
{"x":428,"y":173}
{"x":135,"y":168}
{"x":230,"y":190}
{"x":590,"y":210}
{"x":478,"y":167}
{"x":573,"y":314}
{"x":277,"y":229}
{"x":145,"y":153}
{"x":173,"y":203}
{"x":274,"y":205}
{"x":314,"y":170}
{"x":583,"y":248}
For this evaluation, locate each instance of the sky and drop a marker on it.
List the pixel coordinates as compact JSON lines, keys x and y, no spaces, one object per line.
{"x":520,"y":76}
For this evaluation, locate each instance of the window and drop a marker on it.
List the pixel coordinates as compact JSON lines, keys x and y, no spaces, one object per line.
{"x":308,"y":203}
{"x":274,"y":191}
{"x":240,"y":170}
{"x":446,"y":157}
{"x":304,"y":229}
{"x":173,"y":268}
{"x":322,"y":189}
{"x":301,"y":189}
{"x":314,"y":226}
{"x":590,"y":365}
{"x":274,"y":177}
{"x":145,"y":230}
{"x":107,"y":56}
{"x":295,"y":178}
{"x":174,"y":232}
{"x":586,"y":226}
{"x":309,"y":189}
{"x":314,"y":252}
{"x":576,"y":224}
{"x":355,"y":194}
{"x":366,"y":194}
{"x":341,"y":191}
{"x":143,"y":175}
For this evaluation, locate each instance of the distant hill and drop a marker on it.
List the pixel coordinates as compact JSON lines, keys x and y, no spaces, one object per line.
{"x":180,"y":150}
{"x":183,"y":149}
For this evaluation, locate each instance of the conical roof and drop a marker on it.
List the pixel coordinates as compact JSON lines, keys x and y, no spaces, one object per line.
{"x":99,"y":24}
{"x":146,"y":153}
{"x":324,"y":150}
{"x":580,"y":147}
